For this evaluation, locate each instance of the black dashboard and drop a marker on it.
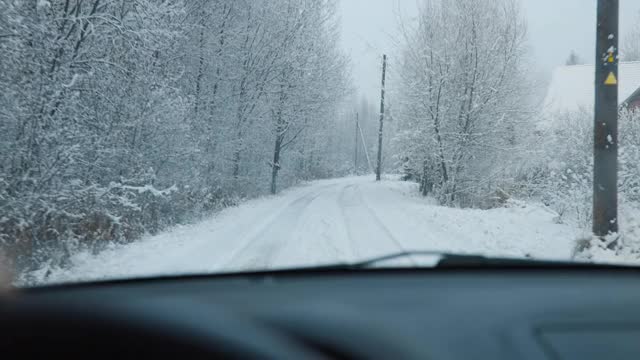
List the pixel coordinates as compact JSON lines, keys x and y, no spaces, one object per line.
{"x":499,"y":313}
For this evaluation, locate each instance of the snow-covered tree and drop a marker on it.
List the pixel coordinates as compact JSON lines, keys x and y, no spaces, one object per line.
{"x":460,"y":104}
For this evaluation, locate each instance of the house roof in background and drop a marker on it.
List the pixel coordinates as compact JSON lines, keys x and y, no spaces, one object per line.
{"x":572,"y":86}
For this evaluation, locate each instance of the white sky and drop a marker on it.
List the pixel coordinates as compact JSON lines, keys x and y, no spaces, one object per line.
{"x":555,"y":27}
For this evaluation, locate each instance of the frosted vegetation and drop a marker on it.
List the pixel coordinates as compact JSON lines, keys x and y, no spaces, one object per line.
{"x":473,"y":133}
{"x":124,"y":117}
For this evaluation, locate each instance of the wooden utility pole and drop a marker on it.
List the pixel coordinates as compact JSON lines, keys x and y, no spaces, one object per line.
{"x":355,"y":156}
{"x":379,"y":165}
{"x":605,"y":145}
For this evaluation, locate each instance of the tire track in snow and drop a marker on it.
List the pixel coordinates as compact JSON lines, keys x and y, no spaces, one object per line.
{"x":417,"y":218}
{"x":355,"y":254}
{"x":260,"y":250}
{"x":368,"y":235}
{"x":381,"y":224}
{"x":386,"y":229}
{"x":248,"y":235}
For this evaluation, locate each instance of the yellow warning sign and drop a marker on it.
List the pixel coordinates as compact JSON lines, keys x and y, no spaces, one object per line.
{"x":611,"y":79}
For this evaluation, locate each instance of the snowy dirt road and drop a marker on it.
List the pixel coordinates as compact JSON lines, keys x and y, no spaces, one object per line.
{"x":323,"y":222}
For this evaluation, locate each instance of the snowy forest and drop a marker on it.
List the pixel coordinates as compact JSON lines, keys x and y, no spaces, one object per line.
{"x":120,"y":118}
{"x":124,"y":117}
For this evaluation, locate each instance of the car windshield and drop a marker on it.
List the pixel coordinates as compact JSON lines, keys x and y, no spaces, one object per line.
{"x":147,"y":138}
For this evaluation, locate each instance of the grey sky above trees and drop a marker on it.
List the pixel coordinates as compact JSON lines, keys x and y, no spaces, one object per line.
{"x":555,"y":27}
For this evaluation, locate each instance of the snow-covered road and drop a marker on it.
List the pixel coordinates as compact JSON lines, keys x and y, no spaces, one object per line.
{"x":325,"y":222}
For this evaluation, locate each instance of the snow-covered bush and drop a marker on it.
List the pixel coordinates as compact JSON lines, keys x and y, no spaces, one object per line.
{"x":563,"y":163}
{"x":559,"y":172}
{"x":629,"y":156}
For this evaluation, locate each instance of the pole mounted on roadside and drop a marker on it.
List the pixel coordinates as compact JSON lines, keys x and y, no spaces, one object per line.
{"x":605,"y":145}
{"x":355,"y":156}
{"x":379,"y":165}
{"x":364,"y":147}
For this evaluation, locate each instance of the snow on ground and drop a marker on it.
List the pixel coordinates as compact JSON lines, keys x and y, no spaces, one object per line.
{"x":628,"y":253}
{"x":340,"y":220}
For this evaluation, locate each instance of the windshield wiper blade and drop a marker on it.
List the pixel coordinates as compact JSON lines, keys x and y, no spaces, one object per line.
{"x":452,"y":260}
